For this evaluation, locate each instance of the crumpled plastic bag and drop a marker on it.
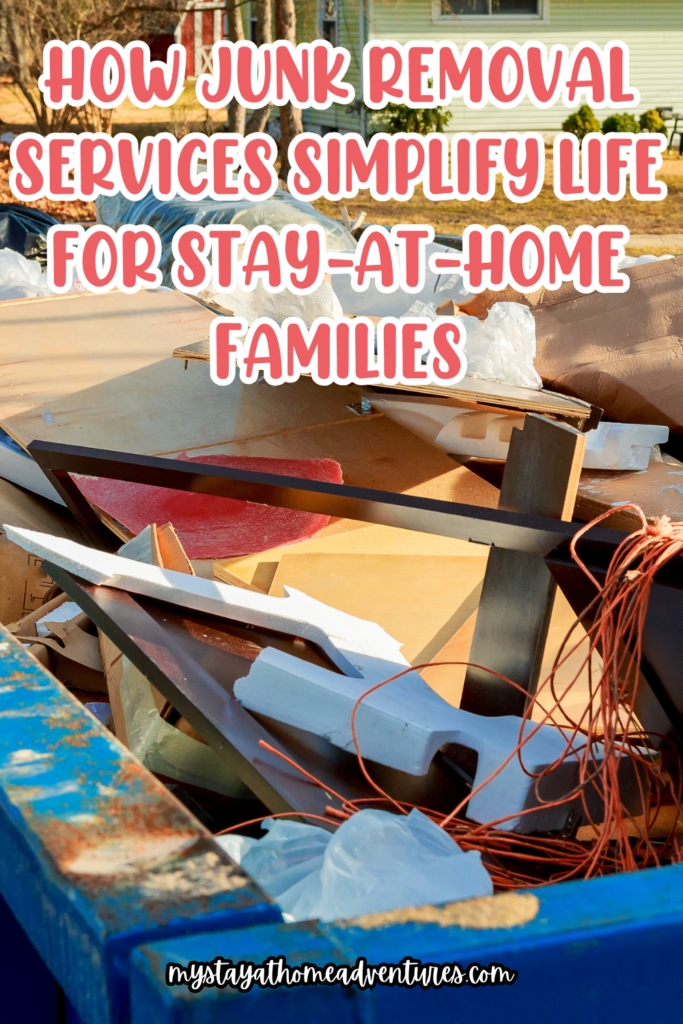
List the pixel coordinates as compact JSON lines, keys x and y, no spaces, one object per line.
{"x":20,"y":278}
{"x":279,"y":306}
{"x":637,"y":261}
{"x":374,"y":862}
{"x":167,"y":215}
{"x":503,"y":347}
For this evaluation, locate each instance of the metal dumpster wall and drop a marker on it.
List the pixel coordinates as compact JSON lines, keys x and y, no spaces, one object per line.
{"x":581,"y":949}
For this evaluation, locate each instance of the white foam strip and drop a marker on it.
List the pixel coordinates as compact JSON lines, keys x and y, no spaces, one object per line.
{"x":337,"y":633}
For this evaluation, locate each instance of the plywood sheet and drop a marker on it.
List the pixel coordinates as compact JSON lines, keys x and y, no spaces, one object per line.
{"x":658,"y":490}
{"x":343,"y":537}
{"x":419,"y":600}
{"x":98,"y":370}
{"x":469,"y":389}
{"x":378,"y":453}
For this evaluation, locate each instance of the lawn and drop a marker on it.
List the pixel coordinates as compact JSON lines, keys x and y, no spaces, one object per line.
{"x":655,"y":218}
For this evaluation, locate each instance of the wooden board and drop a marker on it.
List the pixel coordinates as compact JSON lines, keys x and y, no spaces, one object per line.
{"x":375,"y":452}
{"x":420,"y":601}
{"x":508,"y":396}
{"x":97,"y":370}
{"x":469,"y":389}
{"x":342,"y":537}
{"x":658,"y":490}
{"x":448,"y":680}
{"x":541,"y":478}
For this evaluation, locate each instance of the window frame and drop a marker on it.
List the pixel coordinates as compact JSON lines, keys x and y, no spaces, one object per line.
{"x":322,"y":20}
{"x":542,"y":18}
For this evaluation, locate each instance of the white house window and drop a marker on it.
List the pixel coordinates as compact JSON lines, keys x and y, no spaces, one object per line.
{"x":493,"y":9}
{"x":327,"y":16}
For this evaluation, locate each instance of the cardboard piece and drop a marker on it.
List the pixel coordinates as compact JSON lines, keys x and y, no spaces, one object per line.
{"x":622,"y":352}
{"x":23,"y":584}
{"x":64,"y":646}
{"x":97,"y":369}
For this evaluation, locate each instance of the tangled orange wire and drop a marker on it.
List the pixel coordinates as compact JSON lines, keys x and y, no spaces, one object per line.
{"x":606,"y":737}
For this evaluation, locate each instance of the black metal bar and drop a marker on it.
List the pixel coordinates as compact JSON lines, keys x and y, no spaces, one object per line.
{"x":192,"y":669}
{"x":492,"y":527}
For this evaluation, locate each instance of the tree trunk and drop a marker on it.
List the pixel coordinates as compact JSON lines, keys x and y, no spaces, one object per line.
{"x":291,"y":123}
{"x":236,"y":112}
{"x":258,"y":120}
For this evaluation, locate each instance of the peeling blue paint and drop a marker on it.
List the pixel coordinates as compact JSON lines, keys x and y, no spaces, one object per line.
{"x":95,"y":855}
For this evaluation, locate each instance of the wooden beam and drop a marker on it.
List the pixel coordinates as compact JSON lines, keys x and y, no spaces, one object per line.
{"x":541,"y":478}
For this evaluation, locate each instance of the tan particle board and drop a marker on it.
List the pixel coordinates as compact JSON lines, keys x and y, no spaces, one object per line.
{"x":419,"y":600}
{"x":342,"y":537}
{"x":470,"y":389}
{"x":98,"y":370}
{"x":375,"y":452}
{"x":448,"y":680}
{"x":658,"y":490}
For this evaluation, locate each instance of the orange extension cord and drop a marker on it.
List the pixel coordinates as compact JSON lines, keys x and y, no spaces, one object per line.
{"x":606,"y":733}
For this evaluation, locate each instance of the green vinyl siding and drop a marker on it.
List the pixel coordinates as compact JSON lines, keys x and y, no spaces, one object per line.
{"x":652,"y":29}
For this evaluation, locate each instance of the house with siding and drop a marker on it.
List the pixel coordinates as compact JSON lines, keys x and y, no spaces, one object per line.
{"x":652,"y":29}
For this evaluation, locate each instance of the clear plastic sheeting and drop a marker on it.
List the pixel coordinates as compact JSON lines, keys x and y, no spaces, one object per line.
{"x":637,"y":261}
{"x":374,"y":862}
{"x":167,"y":215}
{"x":20,"y":278}
{"x":438,"y":288}
{"x":261,"y":303}
{"x":503,"y":347}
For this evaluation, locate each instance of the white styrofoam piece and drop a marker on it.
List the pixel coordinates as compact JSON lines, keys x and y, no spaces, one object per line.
{"x":19,"y":468}
{"x":341,"y":636}
{"x":622,"y":445}
{"x":404,"y":723}
{"x":486,"y":435}
{"x":401,"y":725}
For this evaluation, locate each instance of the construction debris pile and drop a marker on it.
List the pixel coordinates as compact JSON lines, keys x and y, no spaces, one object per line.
{"x":363,"y":633}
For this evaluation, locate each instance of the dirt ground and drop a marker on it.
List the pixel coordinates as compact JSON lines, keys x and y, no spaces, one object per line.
{"x":657,"y":218}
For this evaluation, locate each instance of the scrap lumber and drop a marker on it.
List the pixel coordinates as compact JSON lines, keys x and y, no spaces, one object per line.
{"x":470,"y":389}
{"x":99,"y":368}
{"x":342,"y":537}
{"x":541,"y":477}
{"x":420,"y":601}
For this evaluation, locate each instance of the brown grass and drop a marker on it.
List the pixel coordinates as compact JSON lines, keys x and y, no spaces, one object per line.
{"x":186,"y":115}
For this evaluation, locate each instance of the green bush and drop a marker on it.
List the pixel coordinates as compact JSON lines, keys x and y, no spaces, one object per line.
{"x":650,"y":121}
{"x":620,"y":123}
{"x":581,"y":122}
{"x":400,"y":118}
